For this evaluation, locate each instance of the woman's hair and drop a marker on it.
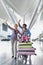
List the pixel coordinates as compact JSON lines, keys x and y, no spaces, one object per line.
{"x":15,"y":25}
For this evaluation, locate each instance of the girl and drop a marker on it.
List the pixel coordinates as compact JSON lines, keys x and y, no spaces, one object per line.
{"x":25,"y":32}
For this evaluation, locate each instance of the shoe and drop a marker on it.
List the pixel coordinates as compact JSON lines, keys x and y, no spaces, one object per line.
{"x":15,"y":58}
{"x":12,"y":56}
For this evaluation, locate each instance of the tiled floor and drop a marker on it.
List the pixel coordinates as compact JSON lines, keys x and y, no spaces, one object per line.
{"x":5,"y":54}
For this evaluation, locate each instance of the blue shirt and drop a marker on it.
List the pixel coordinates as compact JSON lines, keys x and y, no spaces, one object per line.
{"x":27,"y":32}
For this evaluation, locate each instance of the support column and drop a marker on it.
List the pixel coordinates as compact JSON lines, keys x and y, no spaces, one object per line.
{"x":9,"y":13}
{"x":33,"y":17}
{"x":24,"y":19}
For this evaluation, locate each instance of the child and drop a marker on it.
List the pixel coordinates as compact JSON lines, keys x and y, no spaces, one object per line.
{"x":25,"y":32}
{"x":24,"y":37}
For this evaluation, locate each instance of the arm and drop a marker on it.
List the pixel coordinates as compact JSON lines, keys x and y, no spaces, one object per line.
{"x":20,"y":25}
{"x":19,"y":33}
{"x":10,"y":27}
{"x":29,"y":33}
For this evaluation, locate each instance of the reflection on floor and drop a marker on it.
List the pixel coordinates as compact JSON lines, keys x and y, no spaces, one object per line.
{"x":5,"y":54}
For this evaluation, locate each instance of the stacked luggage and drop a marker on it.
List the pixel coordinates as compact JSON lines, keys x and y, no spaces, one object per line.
{"x":26,"y":48}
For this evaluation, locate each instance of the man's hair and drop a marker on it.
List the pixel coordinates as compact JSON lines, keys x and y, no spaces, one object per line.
{"x":25,"y":25}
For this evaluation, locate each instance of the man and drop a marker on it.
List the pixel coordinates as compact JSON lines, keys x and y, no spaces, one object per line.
{"x":25,"y":33}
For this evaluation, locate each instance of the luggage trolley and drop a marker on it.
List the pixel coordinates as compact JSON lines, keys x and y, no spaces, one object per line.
{"x":25,"y":48}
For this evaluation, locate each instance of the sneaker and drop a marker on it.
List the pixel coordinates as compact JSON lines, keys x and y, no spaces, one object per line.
{"x":12,"y":56}
{"x":15,"y":58}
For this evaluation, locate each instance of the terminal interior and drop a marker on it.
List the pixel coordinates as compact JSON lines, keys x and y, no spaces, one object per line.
{"x":31,"y":13}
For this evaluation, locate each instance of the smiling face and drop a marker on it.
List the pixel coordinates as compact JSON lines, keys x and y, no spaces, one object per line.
{"x":24,"y":26}
{"x":15,"y":26}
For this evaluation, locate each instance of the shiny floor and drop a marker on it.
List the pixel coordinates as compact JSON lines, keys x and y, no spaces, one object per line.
{"x":5,"y":54}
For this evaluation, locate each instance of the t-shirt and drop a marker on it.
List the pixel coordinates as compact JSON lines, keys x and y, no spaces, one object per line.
{"x":14,"y":34}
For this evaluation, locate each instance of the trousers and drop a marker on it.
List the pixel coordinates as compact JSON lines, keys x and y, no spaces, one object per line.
{"x":24,"y":38}
{"x":14,"y":47}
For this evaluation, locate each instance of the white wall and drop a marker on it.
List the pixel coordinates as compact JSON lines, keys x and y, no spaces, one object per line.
{"x":37,"y":28}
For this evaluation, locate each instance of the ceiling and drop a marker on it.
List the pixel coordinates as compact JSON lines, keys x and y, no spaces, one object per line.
{"x":21,"y":7}
{"x":3,"y":13}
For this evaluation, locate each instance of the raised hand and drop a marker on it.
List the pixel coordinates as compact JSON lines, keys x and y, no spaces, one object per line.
{"x":19,"y":21}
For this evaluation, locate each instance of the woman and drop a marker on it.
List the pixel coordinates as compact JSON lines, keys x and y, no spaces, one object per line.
{"x":14,"y":39}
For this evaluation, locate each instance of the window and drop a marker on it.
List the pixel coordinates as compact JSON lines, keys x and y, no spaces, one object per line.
{"x":4,"y":27}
